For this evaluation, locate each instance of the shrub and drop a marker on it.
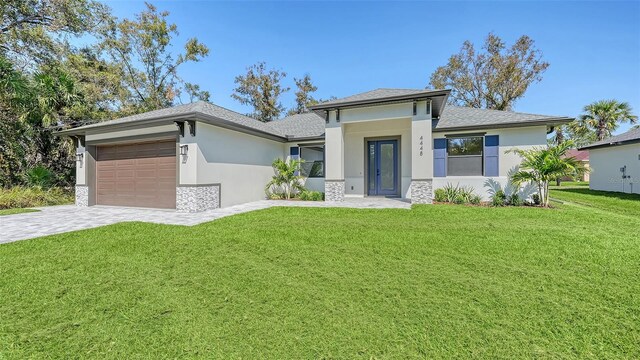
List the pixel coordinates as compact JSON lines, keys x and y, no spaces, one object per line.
{"x":311,"y":195}
{"x":456,"y":195}
{"x":440,"y":195}
{"x":39,"y":176}
{"x":499,"y":198}
{"x":514,"y":200}
{"x":536,"y":199}
{"x":23,"y":197}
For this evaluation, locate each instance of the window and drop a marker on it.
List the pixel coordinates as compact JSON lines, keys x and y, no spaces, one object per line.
{"x":313,"y":165}
{"x":464,"y":156}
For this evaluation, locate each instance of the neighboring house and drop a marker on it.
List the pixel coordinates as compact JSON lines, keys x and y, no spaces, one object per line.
{"x":386,"y":142}
{"x":582,"y":156}
{"x":615,"y":163}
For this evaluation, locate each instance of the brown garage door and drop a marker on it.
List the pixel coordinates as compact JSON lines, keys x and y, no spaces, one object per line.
{"x":141,"y":174}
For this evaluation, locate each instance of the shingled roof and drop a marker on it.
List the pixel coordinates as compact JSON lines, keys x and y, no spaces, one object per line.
{"x":457,"y":117}
{"x":630,"y":137}
{"x":311,"y":124}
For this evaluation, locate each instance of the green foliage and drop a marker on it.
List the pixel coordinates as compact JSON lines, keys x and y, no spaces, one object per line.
{"x":149,"y":68}
{"x":440,"y":195}
{"x":303,"y":95}
{"x":499,"y":198}
{"x":536,"y":199}
{"x":515,"y":200}
{"x":603,"y":117}
{"x":494,"y":78}
{"x":457,"y":195}
{"x":39,"y":176}
{"x":286,"y":182}
{"x":24,"y":197}
{"x":542,"y":165}
{"x":311,"y":195}
{"x":261,"y":89}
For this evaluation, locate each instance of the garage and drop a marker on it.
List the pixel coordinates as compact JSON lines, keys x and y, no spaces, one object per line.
{"x":137,"y":174}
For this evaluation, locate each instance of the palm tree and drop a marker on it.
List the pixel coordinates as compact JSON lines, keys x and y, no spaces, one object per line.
{"x":286,"y":178}
{"x":542,"y":165}
{"x":604,"y":116}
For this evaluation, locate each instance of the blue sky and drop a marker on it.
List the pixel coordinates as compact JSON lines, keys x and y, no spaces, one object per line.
{"x":351,"y":47}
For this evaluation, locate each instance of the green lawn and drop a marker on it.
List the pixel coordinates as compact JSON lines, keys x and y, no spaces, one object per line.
{"x":16,"y":211}
{"x":438,"y":281}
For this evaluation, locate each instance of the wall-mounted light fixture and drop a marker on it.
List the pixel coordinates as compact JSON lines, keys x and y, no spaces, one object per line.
{"x":184,"y":149}
{"x":79,"y":158}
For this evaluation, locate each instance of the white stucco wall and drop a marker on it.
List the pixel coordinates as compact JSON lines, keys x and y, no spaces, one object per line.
{"x":605,"y":168}
{"x":513,"y":138}
{"x":354,"y":152}
{"x":239,"y":162}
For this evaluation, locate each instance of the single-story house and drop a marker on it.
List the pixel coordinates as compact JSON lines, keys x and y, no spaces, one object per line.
{"x":387,"y":142}
{"x":583,"y":157}
{"x":615,"y":163}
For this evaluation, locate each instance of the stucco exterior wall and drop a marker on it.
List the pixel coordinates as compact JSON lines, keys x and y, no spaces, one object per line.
{"x":605,"y":168}
{"x":239,"y":162}
{"x":354,"y":153}
{"x":513,"y":138}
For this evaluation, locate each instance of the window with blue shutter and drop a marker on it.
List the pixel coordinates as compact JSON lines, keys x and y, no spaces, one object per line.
{"x":491,"y":155}
{"x":439,"y":157}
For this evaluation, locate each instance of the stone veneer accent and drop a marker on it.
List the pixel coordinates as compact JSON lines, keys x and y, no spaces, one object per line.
{"x":334,"y":190}
{"x":421,"y":191}
{"x":82,"y":195}
{"x":195,"y":198}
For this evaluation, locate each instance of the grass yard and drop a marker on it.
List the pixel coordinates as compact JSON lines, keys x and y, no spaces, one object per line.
{"x":16,"y":211}
{"x":438,"y":281}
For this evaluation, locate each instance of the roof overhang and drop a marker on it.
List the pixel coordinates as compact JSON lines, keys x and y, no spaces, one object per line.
{"x":547,"y":122}
{"x":165,"y":120}
{"x":609,"y":144}
{"x":438,"y":98}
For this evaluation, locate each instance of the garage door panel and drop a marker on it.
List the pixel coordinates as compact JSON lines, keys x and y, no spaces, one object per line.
{"x":141,"y":175}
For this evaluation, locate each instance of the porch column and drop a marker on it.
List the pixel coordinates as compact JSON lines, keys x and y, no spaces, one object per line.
{"x":421,"y":155}
{"x":334,"y":158}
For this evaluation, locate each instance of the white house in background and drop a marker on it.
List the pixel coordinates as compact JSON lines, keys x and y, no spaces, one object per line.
{"x":386,"y":142}
{"x":615,"y":163}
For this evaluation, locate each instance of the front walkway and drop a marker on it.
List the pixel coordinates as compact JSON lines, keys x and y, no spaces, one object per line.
{"x":59,"y":219}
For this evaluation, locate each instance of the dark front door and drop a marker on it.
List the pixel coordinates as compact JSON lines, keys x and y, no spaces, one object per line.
{"x":382,"y":160}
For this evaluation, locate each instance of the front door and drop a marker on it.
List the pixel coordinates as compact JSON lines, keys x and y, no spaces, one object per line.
{"x":382,"y":160}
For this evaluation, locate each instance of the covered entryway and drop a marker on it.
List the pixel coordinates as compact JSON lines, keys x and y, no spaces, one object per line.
{"x":137,"y":174}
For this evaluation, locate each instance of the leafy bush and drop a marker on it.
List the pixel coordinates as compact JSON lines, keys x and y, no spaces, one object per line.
{"x":440,"y":195}
{"x":457,"y":195}
{"x":286,"y":181}
{"x":499,"y":198}
{"x":39,"y":176}
{"x":311,"y":195}
{"x":23,"y":197}
{"x":515,"y":200}
{"x":536,"y":199}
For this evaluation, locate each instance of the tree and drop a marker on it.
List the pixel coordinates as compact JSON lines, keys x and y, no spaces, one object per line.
{"x":194,"y":92}
{"x":303,"y":95}
{"x":261,"y":89}
{"x":574,"y":132}
{"x":603,"y":117}
{"x":542,"y":165}
{"x":30,"y":29}
{"x":149,"y":70}
{"x":493,"y":79}
{"x":286,"y":180}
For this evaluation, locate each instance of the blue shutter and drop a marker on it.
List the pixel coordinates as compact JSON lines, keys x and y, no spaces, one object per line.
{"x":491,"y":155}
{"x":294,"y":154}
{"x":439,"y":157}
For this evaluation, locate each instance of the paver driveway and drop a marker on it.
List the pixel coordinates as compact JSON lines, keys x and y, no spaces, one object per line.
{"x":59,"y":219}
